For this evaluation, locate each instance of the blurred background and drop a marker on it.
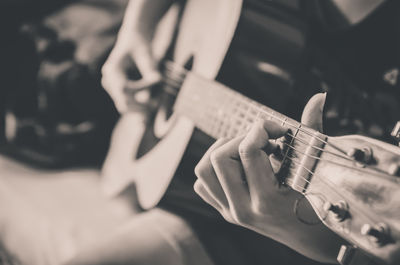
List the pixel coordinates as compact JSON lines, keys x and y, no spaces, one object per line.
{"x":53,"y":111}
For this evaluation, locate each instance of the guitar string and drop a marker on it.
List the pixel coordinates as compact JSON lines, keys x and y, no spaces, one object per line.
{"x":291,"y":181}
{"x":331,"y":185}
{"x":326,"y":181}
{"x":185,"y":71}
{"x":346,"y":158}
{"x":305,"y":191}
{"x":318,"y":148}
{"x":328,"y":161}
{"x":290,"y":158}
{"x":360,"y":169}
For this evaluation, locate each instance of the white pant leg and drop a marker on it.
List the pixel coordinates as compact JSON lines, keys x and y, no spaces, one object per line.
{"x":155,"y":237}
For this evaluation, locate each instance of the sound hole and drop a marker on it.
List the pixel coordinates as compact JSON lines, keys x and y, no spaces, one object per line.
{"x":163,"y":117}
{"x":174,"y":77}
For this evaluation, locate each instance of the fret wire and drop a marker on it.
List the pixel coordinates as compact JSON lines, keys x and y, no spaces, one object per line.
{"x":225,"y":123}
{"x":217,"y":122}
{"x":243,"y":109}
{"x":247,"y":114}
{"x":284,"y":121}
{"x":232,"y":119}
{"x":177,"y":68}
{"x":229,"y":109}
{"x":291,"y":143}
{"x":219,"y":127}
{"x":287,"y":151}
{"x":267,"y":112}
{"x":224,"y":102}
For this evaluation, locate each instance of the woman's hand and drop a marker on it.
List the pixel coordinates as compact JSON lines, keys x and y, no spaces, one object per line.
{"x":133,"y":48}
{"x":236,"y":177}
{"x":233,"y":177}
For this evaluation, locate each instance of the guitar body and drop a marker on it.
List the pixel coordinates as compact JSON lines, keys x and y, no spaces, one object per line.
{"x":205,"y":32}
{"x":153,"y":171}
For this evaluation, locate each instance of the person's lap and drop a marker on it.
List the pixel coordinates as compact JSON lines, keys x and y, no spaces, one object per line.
{"x":104,"y":231}
{"x":154,"y":237}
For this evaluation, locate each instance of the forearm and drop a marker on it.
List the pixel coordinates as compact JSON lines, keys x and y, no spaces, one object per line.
{"x":142,"y":16}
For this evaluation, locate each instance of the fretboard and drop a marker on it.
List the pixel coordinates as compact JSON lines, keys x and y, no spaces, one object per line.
{"x":222,"y":112}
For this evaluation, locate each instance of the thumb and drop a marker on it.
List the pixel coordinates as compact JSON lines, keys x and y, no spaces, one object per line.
{"x":313,"y":111}
{"x":147,"y":66}
{"x":145,"y":61}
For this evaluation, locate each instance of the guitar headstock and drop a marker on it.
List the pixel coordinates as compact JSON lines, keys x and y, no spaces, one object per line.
{"x":355,"y":190}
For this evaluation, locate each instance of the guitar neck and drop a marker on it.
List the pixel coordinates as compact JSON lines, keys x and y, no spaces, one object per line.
{"x":222,"y":112}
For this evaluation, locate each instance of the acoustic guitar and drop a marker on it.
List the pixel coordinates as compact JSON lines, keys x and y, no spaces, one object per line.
{"x":352,"y":182}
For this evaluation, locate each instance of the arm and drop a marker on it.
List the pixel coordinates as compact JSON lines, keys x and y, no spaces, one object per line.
{"x":236,"y":177}
{"x":133,"y":46}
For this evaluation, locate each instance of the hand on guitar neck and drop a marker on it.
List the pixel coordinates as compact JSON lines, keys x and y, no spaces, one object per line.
{"x":236,"y":178}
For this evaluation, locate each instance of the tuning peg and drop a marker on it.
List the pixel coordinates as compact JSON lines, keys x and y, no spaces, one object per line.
{"x":394,"y":169}
{"x":363,"y":155}
{"x":377,"y":234}
{"x":346,"y":254}
{"x":340,"y":210}
{"x":351,"y":255}
{"x":396,"y":132}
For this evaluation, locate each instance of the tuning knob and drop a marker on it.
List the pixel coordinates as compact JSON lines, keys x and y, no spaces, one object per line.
{"x":394,"y":169}
{"x":363,"y":155}
{"x":350,"y":255}
{"x":377,"y":234}
{"x":339,"y":210}
{"x":396,"y":132}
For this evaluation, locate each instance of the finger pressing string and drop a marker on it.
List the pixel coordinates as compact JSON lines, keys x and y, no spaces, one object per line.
{"x":229,"y":171}
{"x":202,"y":191}
{"x":205,"y":172}
{"x":256,"y":164}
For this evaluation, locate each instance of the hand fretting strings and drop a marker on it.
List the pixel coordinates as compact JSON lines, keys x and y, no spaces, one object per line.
{"x":212,"y":107}
{"x":171,"y":68}
{"x":195,"y":102}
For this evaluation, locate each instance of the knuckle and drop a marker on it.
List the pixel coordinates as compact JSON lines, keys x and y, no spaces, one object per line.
{"x":105,"y":69}
{"x":105,"y":83}
{"x":258,"y":128}
{"x":197,"y":187}
{"x":222,"y":140}
{"x":241,"y":216}
{"x":200,"y":170}
{"x":259,"y":125}
{"x":216,"y":157}
{"x":259,"y":206}
{"x":227,"y":216}
{"x":246,"y":149}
